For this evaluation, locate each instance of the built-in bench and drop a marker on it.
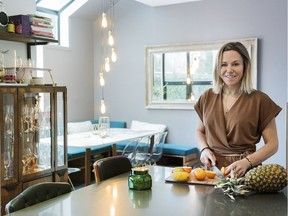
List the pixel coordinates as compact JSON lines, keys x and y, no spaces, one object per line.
{"x":179,"y":155}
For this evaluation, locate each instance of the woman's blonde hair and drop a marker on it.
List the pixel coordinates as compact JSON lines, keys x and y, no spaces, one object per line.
{"x":246,"y":86}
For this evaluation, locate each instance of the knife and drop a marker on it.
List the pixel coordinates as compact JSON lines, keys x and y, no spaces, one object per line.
{"x":217,"y":171}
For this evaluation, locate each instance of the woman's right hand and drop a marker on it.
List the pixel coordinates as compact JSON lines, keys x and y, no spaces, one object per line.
{"x":207,"y":157}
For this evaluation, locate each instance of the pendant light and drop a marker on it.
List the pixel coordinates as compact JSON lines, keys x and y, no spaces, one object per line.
{"x":113,"y":55}
{"x":104,"y":20}
{"x":108,"y":48}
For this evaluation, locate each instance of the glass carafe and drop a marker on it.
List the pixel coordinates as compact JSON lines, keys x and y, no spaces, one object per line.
{"x":12,"y":65}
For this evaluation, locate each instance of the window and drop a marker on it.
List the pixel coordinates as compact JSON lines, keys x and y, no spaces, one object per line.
{"x":182,"y":75}
{"x":178,"y":75}
{"x":59,"y":11}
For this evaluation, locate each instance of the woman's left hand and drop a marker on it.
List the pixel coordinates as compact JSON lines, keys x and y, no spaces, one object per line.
{"x":238,"y":168}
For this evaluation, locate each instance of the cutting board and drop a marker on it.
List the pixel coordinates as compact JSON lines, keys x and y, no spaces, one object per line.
{"x":193,"y":180}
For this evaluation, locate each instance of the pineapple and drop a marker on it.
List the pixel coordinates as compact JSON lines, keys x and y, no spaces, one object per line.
{"x":266,"y":178}
{"x":261,"y":179}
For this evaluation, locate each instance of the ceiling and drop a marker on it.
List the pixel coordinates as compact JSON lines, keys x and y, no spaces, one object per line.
{"x":155,"y":3}
{"x":92,"y":9}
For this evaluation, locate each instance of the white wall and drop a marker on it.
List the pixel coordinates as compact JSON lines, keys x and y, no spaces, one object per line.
{"x":138,"y":25}
{"x":73,"y":67}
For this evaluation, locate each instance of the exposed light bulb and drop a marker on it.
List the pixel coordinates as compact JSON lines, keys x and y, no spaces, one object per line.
{"x":107,"y":64}
{"x":102,"y":81}
{"x":104,"y":20}
{"x":188,"y":80}
{"x":192,"y":96}
{"x":113,"y":55}
{"x":110,"y":38}
{"x":103,"y":107}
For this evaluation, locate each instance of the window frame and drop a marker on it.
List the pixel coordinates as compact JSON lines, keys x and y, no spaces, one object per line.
{"x":54,"y":13}
{"x":250,"y":44}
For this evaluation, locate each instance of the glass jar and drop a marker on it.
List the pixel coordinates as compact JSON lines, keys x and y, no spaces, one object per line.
{"x":139,"y":179}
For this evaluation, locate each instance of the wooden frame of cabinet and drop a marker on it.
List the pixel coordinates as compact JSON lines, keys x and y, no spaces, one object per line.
{"x":49,"y":140}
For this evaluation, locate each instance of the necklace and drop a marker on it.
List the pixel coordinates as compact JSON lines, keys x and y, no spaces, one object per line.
{"x":228,"y":107}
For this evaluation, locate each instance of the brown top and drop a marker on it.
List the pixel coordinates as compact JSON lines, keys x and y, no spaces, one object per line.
{"x":241,"y":128}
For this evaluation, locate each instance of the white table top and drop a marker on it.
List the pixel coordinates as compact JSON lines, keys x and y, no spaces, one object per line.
{"x":89,"y":140}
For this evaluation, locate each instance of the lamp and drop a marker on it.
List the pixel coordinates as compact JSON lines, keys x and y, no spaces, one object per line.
{"x":101,"y":79}
{"x":108,"y":33}
{"x":113,"y":55}
{"x":103,"y":107}
{"x":110,"y":38}
{"x":104,"y":20}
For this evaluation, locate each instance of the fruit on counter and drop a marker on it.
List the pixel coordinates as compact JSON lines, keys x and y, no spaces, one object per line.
{"x":182,"y":169}
{"x":187,"y":169}
{"x":210,"y":174}
{"x":262,"y":179}
{"x":200,"y":174}
{"x":266,"y":178}
{"x":180,"y":176}
{"x":223,"y":170}
{"x":178,"y":169}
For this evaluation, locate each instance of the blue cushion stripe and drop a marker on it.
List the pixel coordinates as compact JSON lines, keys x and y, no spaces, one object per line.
{"x":176,"y":149}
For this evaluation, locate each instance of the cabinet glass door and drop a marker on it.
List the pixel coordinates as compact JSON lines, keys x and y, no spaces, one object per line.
{"x":36,"y":132}
{"x":60,"y":129}
{"x":9,"y":171}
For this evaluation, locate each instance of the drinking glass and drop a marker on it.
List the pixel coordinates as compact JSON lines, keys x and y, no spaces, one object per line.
{"x":7,"y":162}
{"x":104,"y":126}
{"x":95,"y":129}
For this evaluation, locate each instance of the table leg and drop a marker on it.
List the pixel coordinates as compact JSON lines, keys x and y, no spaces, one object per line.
{"x":87,"y":166}
{"x":114,"y":153}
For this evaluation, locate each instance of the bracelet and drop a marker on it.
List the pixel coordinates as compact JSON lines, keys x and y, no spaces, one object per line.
{"x":204,"y":149}
{"x":249,"y":162}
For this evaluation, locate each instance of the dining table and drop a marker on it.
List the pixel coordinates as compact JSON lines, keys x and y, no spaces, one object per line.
{"x":112,"y":197}
{"x":90,"y":139}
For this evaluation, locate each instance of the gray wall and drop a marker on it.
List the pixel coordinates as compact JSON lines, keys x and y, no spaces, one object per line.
{"x":138,"y":25}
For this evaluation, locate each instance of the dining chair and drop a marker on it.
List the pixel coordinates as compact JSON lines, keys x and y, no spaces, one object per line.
{"x":129,"y":150}
{"x":37,"y":193}
{"x":108,"y":167}
{"x":137,"y":151}
{"x":70,"y":171}
{"x":142,"y":151}
{"x":156,"y":148}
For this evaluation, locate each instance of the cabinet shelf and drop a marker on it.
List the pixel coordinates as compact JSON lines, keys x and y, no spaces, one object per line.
{"x":26,"y":39}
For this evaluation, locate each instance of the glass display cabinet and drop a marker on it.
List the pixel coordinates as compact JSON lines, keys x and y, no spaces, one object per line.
{"x":32,"y":137}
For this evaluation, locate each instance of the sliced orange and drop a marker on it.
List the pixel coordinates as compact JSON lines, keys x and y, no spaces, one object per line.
{"x":187,"y":169}
{"x":210,"y":174}
{"x":200,"y":174}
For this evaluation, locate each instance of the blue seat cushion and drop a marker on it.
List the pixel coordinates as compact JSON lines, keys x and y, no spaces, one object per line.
{"x":121,"y":145}
{"x":176,"y":149}
{"x":76,"y":152}
{"x":113,"y":124}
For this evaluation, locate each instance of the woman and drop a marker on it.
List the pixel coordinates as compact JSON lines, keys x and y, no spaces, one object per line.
{"x":234,"y":116}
